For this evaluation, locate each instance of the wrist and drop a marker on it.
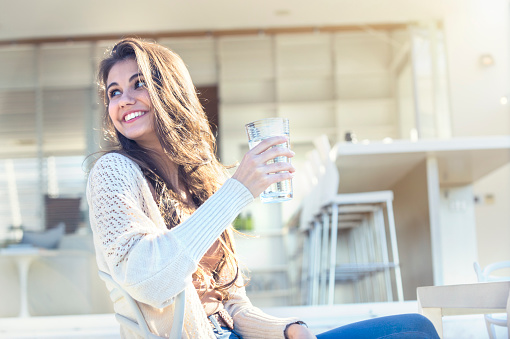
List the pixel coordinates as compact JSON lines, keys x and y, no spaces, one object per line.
{"x":289,"y":329}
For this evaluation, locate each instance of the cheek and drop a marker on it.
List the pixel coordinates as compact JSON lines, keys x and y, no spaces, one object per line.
{"x":144,"y":96}
{"x":112,"y":115}
{"x":111,"y":111}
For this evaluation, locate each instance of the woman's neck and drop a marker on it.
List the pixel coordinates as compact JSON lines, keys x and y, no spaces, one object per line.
{"x":169,"y":171}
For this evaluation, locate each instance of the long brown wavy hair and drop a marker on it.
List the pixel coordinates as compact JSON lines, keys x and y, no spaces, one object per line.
{"x":185,"y":135}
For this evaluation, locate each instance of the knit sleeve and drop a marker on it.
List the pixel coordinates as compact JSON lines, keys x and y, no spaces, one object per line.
{"x":250,"y":321}
{"x":152,"y":263}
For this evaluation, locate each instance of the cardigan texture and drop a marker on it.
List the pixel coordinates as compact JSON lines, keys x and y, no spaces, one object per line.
{"x":154,"y":264}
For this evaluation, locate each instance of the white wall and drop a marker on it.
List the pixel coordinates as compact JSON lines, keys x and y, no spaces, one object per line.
{"x":413,"y":231}
{"x":493,"y":216}
{"x":473,"y":28}
{"x":457,"y":236}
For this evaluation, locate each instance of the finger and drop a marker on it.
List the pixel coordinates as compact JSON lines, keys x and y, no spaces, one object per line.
{"x":279,"y":167}
{"x":277,"y":151}
{"x":269,"y":142}
{"x":280,"y":176}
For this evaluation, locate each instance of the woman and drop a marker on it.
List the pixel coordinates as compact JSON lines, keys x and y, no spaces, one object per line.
{"x":161,"y":204}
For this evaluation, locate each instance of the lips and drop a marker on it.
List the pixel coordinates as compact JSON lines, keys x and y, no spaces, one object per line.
{"x":133,"y":115}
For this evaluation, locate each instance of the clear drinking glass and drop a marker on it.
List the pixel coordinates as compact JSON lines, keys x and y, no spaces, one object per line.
{"x":263,"y":129}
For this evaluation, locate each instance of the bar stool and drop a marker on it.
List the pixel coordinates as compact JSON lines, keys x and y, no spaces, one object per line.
{"x":364,"y":220}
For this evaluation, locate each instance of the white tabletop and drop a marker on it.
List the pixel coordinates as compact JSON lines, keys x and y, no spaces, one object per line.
{"x":480,"y":298}
{"x":20,"y":250}
{"x":27,"y":250}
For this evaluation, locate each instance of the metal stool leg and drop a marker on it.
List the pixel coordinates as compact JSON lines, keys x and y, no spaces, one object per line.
{"x":381,"y":230}
{"x":324,"y":258}
{"x":394,"y":250}
{"x":332,"y":253}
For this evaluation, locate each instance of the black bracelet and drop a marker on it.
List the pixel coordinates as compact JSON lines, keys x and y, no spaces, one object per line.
{"x":299,"y":322}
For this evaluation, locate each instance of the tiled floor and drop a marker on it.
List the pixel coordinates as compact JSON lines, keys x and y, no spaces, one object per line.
{"x":319,"y":318}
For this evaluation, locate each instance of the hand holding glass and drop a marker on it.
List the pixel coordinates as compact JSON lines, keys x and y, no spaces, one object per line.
{"x":263,"y":129}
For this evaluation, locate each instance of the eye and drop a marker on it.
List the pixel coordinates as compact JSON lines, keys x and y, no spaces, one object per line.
{"x":113,"y":93}
{"x":139,"y":83}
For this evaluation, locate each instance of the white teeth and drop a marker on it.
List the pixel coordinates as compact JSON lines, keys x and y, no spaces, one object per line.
{"x":133,"y":115}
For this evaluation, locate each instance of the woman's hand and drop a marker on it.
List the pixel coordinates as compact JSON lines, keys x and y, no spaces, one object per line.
{"x":254,"y":172}
{"x":296,"y":331}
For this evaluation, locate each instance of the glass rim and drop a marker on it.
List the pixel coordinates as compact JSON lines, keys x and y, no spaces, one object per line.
{"x":267,"y":119}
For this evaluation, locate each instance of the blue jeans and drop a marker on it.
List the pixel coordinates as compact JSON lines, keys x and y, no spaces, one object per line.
{"x":405,"y":326}
{"x":223,"y":332}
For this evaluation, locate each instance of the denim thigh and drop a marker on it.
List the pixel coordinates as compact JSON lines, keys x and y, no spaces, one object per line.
{"x":405,"y":326}
{"x":223,"y":332}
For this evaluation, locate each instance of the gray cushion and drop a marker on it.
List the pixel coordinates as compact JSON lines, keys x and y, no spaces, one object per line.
{"x":45,"y":239}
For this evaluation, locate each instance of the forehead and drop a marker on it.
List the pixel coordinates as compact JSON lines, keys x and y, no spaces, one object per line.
{"x":122,"y":71}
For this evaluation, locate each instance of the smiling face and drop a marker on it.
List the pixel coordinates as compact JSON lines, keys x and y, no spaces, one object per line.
{"x":129,"y":106}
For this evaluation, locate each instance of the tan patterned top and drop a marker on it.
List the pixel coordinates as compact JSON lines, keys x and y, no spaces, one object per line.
{"x":210,"y":298}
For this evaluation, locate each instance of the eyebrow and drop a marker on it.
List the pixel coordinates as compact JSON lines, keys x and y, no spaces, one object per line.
{"x":130,"y":79}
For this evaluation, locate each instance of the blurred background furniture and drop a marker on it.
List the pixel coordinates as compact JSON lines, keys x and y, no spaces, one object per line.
{"x":49,"y":238}
{"x":434,"y":302}
{"x":39,"y":282}
{"x":486,"y":275}
{"x":346,"y":237}
{"x":24,"y":256}
{"x":62,"y":209}
{"x":432,"y":182}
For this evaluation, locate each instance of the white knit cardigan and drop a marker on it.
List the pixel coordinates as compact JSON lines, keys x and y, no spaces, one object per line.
{"x":153,"y":264}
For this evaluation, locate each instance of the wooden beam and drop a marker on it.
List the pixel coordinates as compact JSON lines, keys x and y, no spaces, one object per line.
{"x":203,"y":33}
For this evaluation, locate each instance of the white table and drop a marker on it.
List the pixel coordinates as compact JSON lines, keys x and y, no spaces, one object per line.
{"x":24,"y":256}
{"x":434,"y":302}
{"x":439,"y":164}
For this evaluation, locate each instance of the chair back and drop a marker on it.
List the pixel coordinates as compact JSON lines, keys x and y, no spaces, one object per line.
{"x":140,"y":327}
{"x":486,"y":275}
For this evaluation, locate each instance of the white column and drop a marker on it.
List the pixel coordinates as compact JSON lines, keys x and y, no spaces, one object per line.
{"x":434,"y":219}
{"x":458,"y":234}
{"x":39,"y":114}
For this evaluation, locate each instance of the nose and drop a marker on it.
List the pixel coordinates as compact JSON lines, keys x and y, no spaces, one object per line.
{"x":127,"y":98}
